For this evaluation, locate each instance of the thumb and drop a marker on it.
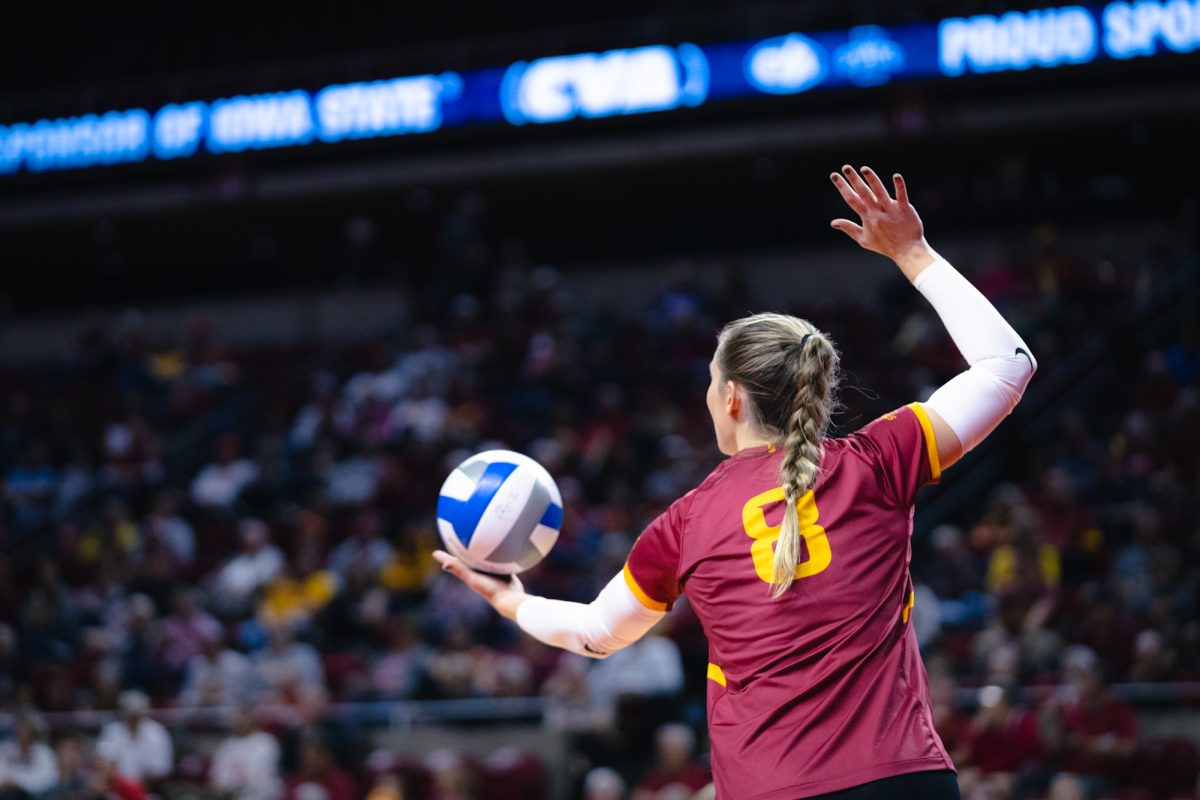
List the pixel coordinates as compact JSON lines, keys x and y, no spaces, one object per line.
{"x":851,"y":229}
{"x":448,"y":563}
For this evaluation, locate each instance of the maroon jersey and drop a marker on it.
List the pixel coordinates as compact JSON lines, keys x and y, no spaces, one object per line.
{"x":822,"y":689}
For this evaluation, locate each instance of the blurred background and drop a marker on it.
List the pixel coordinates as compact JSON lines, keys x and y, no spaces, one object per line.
{"x":270,"y":274}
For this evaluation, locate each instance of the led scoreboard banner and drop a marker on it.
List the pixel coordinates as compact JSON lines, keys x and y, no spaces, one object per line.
{"x":614,"y":83}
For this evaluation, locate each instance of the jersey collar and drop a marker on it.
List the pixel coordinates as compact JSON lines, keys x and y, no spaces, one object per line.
{"x":754,"y":452}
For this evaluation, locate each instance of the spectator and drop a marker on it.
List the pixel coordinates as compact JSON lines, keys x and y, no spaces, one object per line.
{"x":452,"y":777}
{"x":221,"y":482}
{"x":411,"y":568}
{"x":351,"y":480}
{"x":246,"y":765}
{"x":366,"y":550}
{"x":258,"y":563}
{"x":1152,"y":661}
{"x":115,"y":533}
{"x":675,"y":769}
{"x":1099,"y":730}
{"x":604,"y":783}
{"x":321,"y":417}
{"x":300,"y":592}
{"x":1000,"y":738}
{"x":140,"y":644}
{"x":650,"y":667}
{"x":27,"y":763}
{"x":1065,"y":786}
{"x":397,"y":672}
{"x":185,"y":632}
{"x":75,"y":778}
{"x":31,"y":487}
{"x":218,"y":676}
{"x":48,"y":618}
{"x":287,"y":670}
{"x":422,"y":414}
{"x":386,"y":787}
{"x":139,"y":747}
{"x":165,"y":526}
{"x":317,"y":776}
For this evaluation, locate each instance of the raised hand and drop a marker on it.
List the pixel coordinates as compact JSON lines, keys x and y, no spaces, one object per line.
{"x":890,"y":227}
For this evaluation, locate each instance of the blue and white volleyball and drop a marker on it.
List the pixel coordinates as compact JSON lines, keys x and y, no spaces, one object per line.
{"x":499,"y":511}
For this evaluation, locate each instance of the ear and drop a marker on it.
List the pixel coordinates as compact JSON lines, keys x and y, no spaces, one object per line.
{"x":733,"y":400}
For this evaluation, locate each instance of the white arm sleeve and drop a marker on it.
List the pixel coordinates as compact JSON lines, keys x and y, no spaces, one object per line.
{"x":614,"y":620}
{"x":1001,"y":364}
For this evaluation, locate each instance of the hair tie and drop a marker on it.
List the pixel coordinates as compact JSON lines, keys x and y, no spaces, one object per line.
{"x":804,"y":339}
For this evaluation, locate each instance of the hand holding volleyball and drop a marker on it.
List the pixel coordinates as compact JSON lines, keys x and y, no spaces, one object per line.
{"x":499,"y":512}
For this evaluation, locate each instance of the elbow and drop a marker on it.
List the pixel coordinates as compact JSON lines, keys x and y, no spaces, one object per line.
{"x":1010,"y":374}
{"x":1031,"y":362}
{"x":595,"y":650}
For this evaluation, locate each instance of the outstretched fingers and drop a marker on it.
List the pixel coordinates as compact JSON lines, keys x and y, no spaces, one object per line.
{"x":856,"y":203}
{"x":901,"y":189}
{"x":877,"y":188}
{"x":859,"y":185}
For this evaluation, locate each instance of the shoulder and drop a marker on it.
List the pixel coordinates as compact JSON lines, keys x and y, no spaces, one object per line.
{"x":911,"y":417}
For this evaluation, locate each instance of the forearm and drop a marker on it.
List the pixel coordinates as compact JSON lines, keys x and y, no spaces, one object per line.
{"x":1001,"y":364}
{"x":614,"y":620}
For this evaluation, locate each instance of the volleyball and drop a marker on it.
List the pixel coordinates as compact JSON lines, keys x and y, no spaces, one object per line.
{"x":499,"y":512}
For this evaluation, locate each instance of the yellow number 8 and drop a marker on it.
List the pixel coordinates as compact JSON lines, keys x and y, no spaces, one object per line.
{"x":765,"y":536}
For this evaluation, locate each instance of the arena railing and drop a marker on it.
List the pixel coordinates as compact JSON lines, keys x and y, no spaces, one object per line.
{"x":407,"y":715}
{"x":399,"y":715}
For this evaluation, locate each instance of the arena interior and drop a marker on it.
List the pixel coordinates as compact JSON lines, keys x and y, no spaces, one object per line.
{"x":272,"y":272}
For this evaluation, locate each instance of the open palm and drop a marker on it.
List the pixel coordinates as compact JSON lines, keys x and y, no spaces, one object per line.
{"x":890,"y":227}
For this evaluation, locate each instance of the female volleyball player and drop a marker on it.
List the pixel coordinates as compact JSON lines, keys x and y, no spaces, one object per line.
{"x":794,"y":552}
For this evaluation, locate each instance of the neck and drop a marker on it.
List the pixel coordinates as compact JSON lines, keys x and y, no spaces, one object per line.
{"x":747,"y":436}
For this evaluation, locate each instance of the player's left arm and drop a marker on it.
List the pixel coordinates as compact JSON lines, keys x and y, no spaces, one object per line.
{"x":614,"y":620}
{"x":964,"y":411}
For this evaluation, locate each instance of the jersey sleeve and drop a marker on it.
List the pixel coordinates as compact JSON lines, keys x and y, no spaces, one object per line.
{"x":901,"y":447}
{"x":652,"y":569}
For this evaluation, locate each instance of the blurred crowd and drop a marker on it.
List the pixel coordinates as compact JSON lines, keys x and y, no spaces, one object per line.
{"x":189,"y":525}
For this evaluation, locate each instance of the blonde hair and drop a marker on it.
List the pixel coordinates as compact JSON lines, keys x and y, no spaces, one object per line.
{"x":789,"y":369}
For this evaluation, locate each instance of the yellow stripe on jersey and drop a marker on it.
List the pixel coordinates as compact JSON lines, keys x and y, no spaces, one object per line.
{"x":935,"y":465}
{"x":642,"y":597}
{"x":716,"y":674}
{"x":908,"y":607}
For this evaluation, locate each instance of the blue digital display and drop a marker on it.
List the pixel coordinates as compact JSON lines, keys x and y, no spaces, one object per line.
{"x":786,"y":64}
{"x":637,"y":80}
{"x":1017,"y":40}
{"x":384,"y":108}
{"x":615,"y":83}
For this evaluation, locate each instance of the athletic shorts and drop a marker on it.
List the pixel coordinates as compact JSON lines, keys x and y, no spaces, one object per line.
{"x":940,"y":785}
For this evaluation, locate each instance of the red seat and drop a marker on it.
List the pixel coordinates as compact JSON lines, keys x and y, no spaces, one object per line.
{"x":1167,"y":766}
{"x":513,"y":774}
{"x":338,"y":668}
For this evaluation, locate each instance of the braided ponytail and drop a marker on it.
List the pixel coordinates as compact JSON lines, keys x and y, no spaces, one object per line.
{"x":790,"y":371}
{"x":806,"y":428}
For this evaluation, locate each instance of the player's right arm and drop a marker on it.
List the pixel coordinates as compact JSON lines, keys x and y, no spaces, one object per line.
{"x":626,"y":609}
{"x":614,"y":620}
{"x":972,"y":404}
